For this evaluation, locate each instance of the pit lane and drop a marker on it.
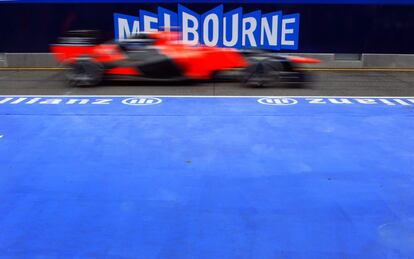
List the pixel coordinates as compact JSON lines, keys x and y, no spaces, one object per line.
{"x":86,"y":173}
{"x":325,"y":83}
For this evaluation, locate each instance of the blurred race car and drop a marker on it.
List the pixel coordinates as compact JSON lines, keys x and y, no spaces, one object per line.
{"x":161,"y":56}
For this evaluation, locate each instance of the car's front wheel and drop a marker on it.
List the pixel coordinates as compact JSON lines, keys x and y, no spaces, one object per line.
{"x":262,"y":72}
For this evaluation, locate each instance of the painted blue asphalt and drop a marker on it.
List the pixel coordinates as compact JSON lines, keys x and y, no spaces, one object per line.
{"x":175,"y":177}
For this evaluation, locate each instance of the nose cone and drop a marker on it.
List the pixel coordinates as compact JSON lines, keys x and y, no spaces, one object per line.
{"x":303,"y":60}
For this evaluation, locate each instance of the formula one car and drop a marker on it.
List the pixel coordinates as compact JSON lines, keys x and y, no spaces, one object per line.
{"x":162,"y":56}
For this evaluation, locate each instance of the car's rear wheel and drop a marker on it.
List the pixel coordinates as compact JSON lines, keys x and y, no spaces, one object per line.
{"x":84,"y":72}
{"x":262,"y":72}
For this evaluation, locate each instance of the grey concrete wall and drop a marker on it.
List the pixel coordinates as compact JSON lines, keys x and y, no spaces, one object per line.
{"x":46,"y":60}
{"x":388,"y":60}
{"x":26,"y":60}
{"x":3,"y":60}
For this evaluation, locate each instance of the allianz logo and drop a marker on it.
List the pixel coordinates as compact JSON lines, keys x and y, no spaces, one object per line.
{"x":132,"y":101}
{"x":141,"y":101}
{"x":286,"y":101}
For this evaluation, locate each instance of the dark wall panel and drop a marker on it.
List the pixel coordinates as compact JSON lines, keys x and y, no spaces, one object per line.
{"x":337,"y":28}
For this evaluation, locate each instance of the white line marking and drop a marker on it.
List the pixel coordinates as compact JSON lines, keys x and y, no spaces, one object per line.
{"x":210,"y":96}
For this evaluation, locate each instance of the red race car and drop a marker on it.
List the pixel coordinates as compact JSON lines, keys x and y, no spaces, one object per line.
{"x":162,"y":56}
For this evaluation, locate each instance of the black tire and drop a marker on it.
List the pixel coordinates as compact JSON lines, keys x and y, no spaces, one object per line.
{"x":262,"y":72}
{"x":84,"y":72}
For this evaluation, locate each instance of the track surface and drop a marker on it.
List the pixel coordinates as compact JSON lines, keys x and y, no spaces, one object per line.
{"x":206,"y":177}
{"x":325,"y":83}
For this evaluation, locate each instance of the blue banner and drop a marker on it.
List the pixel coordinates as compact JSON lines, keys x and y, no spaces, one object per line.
{"x":251,"y":30}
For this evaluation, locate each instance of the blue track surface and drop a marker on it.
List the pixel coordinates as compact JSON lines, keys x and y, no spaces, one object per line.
{"x":206,"y":177}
